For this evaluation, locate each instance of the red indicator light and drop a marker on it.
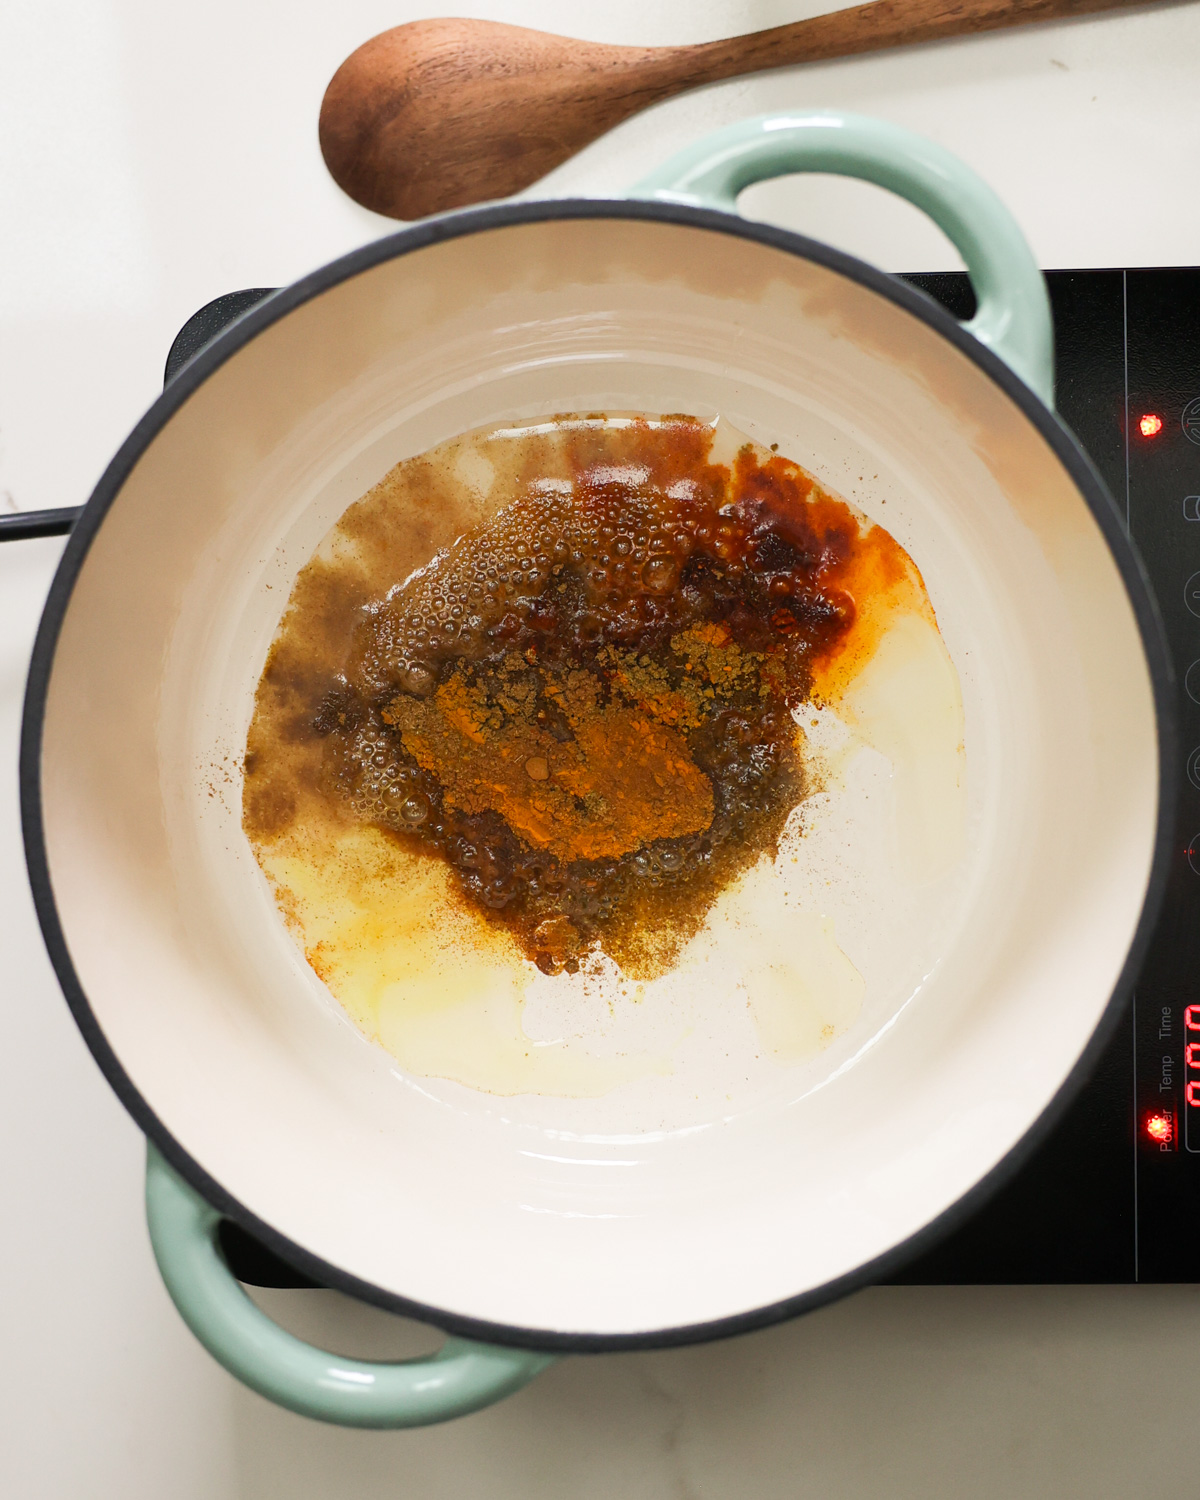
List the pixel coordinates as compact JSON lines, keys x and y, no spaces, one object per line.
{"x":1150,"y":425}
{"x":1160,"y":1128}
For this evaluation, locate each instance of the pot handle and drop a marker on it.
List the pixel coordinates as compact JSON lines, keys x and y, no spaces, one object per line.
{"x":461,"y":1377}
{"x":1013,"y":317}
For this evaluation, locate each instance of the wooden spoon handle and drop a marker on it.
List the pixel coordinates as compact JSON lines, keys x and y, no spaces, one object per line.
{"x":882,"y":23}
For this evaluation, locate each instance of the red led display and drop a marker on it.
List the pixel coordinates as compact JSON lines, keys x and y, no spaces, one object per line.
{"x":1191,"y":1087}
{"x":1191,"y":1064}
{"x":1150,"y":425}
{"x":1161,"y":1128}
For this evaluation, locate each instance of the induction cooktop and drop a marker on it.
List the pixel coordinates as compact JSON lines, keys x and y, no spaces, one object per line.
{"x":1113,"y":1193}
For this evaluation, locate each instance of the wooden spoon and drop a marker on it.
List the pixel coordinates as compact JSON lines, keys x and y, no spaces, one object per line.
{"x":436,"y":114}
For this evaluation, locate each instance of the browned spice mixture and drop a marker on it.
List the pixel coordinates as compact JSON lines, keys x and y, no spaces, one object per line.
{"x":584,"y":704}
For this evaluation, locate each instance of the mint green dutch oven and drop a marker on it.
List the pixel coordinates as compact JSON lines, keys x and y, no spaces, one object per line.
{"x":529,"y":1228}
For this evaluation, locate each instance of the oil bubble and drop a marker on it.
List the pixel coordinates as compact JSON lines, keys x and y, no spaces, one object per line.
{"x":660,"y":574}
{"x":415,"y":809}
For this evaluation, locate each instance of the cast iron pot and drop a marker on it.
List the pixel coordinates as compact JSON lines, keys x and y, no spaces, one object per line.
{"x":505,"y":1222}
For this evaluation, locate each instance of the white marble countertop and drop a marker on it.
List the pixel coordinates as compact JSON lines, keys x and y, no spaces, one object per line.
{"x":153,"y":156}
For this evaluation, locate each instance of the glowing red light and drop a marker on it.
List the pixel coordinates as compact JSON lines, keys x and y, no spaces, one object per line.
{"x":1150,"y":424}
{"x":1160,"y":1128}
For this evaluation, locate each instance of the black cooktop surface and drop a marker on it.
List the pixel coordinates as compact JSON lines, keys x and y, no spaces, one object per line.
{"x":1113,"y":1194}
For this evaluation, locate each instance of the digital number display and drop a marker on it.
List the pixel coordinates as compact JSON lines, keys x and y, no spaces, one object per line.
{"x":1191,"y":1077}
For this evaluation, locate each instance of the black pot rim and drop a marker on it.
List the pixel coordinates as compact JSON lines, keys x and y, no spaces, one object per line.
{"x":419,"y":236}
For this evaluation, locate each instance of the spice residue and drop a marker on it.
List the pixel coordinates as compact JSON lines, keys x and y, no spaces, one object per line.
{"x":584,"y":704}
{"x":581,"y":697}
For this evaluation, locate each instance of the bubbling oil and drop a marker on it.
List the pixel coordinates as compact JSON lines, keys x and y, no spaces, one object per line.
{"x":563,"y":669}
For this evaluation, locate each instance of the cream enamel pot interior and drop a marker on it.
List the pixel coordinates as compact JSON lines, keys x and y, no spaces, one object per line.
{"x":541,"y":1224}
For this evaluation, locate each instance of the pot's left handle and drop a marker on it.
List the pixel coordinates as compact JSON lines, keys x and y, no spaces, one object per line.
{"x":461,"y":1377}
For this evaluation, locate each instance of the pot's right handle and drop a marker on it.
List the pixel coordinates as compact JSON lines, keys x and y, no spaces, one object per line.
{"x":1014,"y":311}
